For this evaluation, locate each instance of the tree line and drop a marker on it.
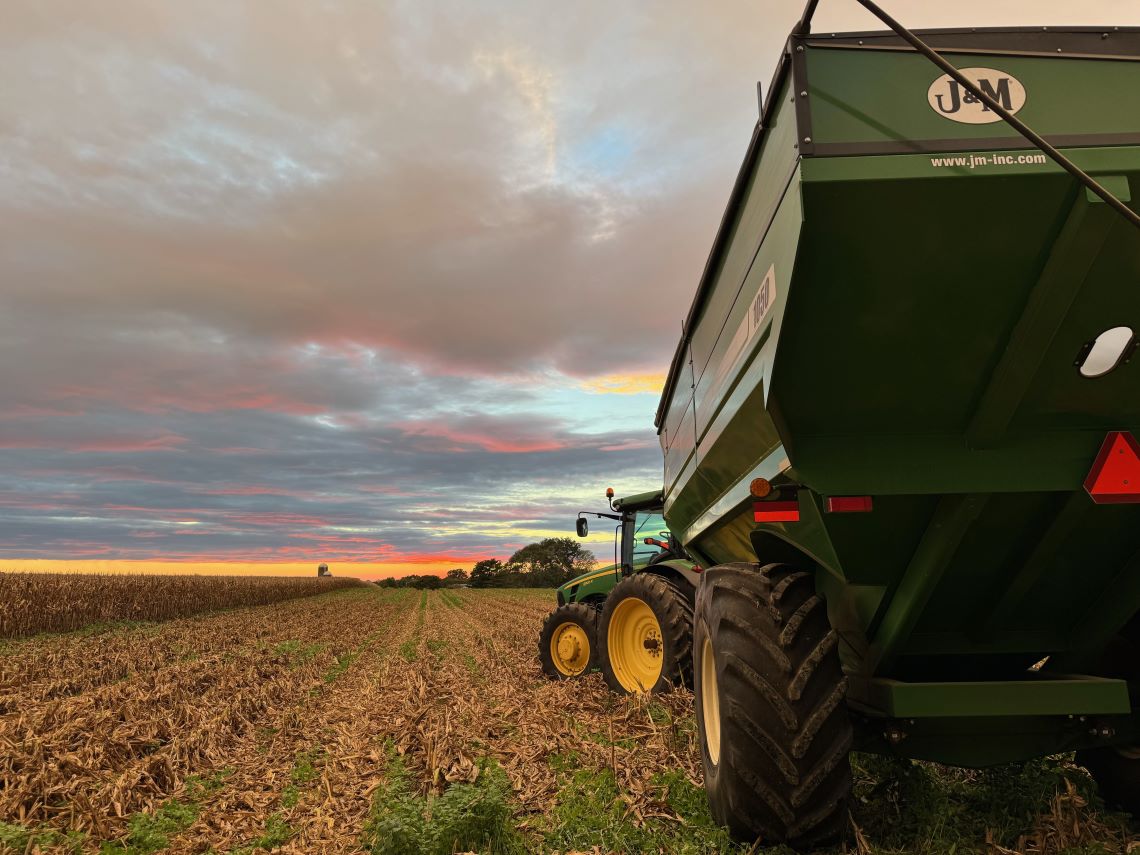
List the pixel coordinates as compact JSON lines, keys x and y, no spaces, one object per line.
{"x":546,"y":564}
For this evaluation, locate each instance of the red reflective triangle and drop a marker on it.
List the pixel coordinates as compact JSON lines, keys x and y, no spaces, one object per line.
{"x":1115,"y":475}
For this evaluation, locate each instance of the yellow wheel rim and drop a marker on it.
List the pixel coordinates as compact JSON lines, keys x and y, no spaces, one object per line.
{"x":570,"y":649}
{"x":635,"y":645}
{"x":710,"y":702}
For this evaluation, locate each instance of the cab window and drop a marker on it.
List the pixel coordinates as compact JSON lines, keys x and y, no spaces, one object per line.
{"x":647,"y":524}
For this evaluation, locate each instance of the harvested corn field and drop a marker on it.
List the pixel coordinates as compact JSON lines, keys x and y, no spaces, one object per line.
{"x":60,"y":602}
{"x":404,"y":721}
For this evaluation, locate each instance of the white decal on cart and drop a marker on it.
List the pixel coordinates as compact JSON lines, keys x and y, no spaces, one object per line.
{"x":948,"y":98}
{"x":763,"y":301}
{"x":758,"y":310}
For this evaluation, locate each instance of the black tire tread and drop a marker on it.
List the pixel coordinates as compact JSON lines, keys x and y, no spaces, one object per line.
{"x":783,"y":774}
{"x":674,"y":610}
{"x":582,"y":614}
{"x":1118,"y":776}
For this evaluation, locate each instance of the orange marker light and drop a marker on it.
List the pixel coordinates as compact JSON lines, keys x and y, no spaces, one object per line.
{"x":760,"y":487}
{"x":609,"y":492}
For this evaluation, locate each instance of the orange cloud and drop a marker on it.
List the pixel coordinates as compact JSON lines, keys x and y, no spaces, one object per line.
{"x":425,"y":565}
{"x":624,"y":384}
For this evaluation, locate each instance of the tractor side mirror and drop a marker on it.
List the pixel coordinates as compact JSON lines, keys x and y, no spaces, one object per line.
{"x":583,"y":527}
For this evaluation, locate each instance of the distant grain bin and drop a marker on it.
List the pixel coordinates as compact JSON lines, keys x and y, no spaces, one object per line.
{"x":323,"y":570}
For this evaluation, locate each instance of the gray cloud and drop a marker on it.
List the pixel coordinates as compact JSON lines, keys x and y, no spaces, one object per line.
{"x":292,"y":279}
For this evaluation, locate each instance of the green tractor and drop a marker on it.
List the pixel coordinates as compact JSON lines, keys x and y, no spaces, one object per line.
{"x":634,"y":618}
{"x":900,"y":428}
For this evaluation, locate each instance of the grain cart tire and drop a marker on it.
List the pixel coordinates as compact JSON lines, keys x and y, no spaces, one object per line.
{"x":1117,"y":775}
{"x":568,"y":643}
{"x":645,"y":637}
{"x":1116,"y":769}
{"x":774,"y":729}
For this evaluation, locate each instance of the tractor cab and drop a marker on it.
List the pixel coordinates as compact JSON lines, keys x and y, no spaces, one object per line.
{"x":641,"y":540}
{"x":645,"y":539}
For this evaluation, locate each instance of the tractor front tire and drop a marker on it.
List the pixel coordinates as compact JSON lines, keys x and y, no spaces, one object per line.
{"x":770,"y":706}
{"x":568,"y":643}
{"x":646,"y":635}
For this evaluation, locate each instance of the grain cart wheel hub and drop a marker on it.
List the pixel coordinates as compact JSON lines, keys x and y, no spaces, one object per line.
{"x":570,"y":649}
{"x":645,"y":637}
{"x":635,"y":645}
{"x":567,"y":645}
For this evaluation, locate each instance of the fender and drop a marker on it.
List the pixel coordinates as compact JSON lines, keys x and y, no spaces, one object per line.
{"x":678,"y":569}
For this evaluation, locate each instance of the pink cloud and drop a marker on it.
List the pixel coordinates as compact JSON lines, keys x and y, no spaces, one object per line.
{"x":277,"y":519}
{"x":249,"y":490}
{"x":458,"y":439}
{"x":163,"y":442}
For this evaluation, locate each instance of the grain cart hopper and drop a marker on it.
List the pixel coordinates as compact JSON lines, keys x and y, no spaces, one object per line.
{"x":633,"y":618}
{"x":900,"y":427}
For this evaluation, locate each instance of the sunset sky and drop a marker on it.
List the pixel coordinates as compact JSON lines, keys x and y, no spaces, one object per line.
{"x":389,"y":283}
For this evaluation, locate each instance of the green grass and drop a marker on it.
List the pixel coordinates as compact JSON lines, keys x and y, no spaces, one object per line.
{"x":465,"y":817}
{"x":290,"y":796}
{"x":277,"y":833}
{"x":659,"y":714}
{"x":18,"y":838}
{"x":926,"y":809}
{"x":471,"y":665}
{"x":108,"y":627}
{"x":343,"y":661}
{"x":297,"y":652}
{"x":450,"y":600}
{"x":198,"y":787}
{"x":900,"y":807}
{"x":408,"y":650}
{"x":590,"y":813}
{"x":151,"y":832}
{"x":304,"y":771}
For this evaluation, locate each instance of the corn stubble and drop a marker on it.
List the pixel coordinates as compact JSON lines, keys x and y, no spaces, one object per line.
{"x":31,"y":603}
{"x":376,"y":720}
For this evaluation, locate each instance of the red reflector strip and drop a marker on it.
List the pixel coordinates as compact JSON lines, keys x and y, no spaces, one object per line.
{"x":776,"y":511}
{"x":1115,"y":475}
{"x":848,"y":504}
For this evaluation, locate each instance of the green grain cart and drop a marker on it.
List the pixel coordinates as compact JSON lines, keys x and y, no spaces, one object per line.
{"x":899,"y":429}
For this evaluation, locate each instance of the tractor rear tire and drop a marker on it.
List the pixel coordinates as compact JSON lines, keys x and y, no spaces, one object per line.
{"x":645,"y":637}
{"x":770,"y":706}
{"x":568,"y":643}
